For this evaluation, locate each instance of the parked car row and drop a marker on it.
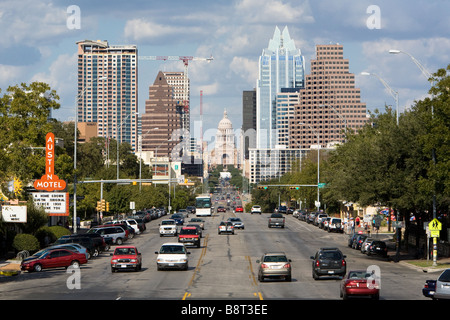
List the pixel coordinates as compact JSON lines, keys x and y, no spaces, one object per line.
{"x":321,"y":220}
{"x":368,"y":245}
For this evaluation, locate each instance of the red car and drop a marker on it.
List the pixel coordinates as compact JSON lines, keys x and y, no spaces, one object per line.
{"x":239,"y":209}
{"x":126,"y":257}
{"x":360,"y":283}
{"x":221,"y":209}
{"x":54,"y":258}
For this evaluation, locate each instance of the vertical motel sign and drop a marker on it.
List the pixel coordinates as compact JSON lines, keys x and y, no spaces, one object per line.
{"x":53,"y":203}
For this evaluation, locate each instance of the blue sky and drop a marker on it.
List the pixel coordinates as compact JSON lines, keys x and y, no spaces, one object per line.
{"x":37,"y":45}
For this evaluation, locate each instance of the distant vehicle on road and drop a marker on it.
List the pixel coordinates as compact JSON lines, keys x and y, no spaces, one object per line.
{"x":277,"y":220}
{"x":225,"y":227}
{"x":328,"y":262}
{"x":359,"y":283}
{"x":172,"y":255}
{"x":54,"y":258}
{"x":203,"y":205}
{"x":256,"y":209}
{"x":126,"y":257}
{"x":168,"y":227}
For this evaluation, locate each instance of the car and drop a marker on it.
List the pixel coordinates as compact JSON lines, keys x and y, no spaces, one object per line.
{"x":325,"y":223}
{"x":429,"y":288}
{"x":183,"y":212}
{"x":237,"y":222}
{"x":274,"y":265}
{"x":72,"y":246}
{"x":443,"y":286}
{"x":117,"y":234}
{"x":53,"y":258}
{"x":319,"y":219}
{"x":359,"y":283}
{"x":290,"y":210}
{"x":179,"y":218}
{"x":336,"y":225}
{"x":191,"y":209}
{"x":359,"y":241}
{"x":351,"y":239}
{"x":221,"y":209}
{"x":86,"y":242}
{"x":328,"y":262}
{"x":197,"y":226}
{"x":311,"y":217}
{"x":366,"y":243}
{"x":225,"y":227}
{"x":377,"y":247}
{"x":168,"y":227}
{"x":190,"y":236}
{"x":198,"y":221}
{"x":282,"y":209}
{"x":172,"y":255}
{"x":126,"y":257}
{"x":239,"y":209}
{"x":255,"y":209}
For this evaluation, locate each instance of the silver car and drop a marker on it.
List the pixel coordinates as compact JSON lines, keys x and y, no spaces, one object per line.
{"x":443,"y":286}
{"x":274,"y":265}
{"x":237,"y":223}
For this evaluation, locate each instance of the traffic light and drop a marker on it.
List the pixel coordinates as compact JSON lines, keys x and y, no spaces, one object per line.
{"x":103,"y":205}
{"x":262,"y":187}
{"x":294,"y":188}
{"x":107,"y":206}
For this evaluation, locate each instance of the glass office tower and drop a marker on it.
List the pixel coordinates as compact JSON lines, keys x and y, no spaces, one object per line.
{"x":281,"y":65}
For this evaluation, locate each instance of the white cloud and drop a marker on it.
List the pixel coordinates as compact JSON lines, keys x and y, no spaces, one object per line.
{"x":245,"y":68}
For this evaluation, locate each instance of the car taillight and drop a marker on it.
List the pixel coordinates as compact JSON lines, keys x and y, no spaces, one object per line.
{"x":287,"y":265}
{"x":343,"y":262}
{"x":264,"y":266}
{"x":317,"y":263}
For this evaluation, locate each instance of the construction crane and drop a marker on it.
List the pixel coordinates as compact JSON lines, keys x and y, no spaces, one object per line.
{"x":185,"y":60}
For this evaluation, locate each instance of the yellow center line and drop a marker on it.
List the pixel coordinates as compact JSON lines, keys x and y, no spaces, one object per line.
{"x":187,"y":294}
{"x":252,"y":276}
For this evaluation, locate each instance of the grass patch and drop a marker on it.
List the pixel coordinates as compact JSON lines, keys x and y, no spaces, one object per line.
{"x":429,"y":263}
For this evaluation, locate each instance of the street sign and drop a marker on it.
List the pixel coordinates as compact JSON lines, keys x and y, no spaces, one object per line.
{"x":321,"y":185}
{"x":435,"y":225}
{"x":434,"y":234}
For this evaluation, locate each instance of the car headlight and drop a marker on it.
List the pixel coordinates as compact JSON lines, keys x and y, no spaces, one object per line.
{"x":114,"y":261}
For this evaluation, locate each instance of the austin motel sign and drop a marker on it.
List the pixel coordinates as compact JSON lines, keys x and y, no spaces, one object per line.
{"x":49,"y":181}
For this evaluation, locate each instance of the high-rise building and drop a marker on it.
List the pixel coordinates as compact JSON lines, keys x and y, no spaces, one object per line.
{"x":329,"y":104}
{"x":181,"y":92}
{"x":107,"y":88}
{"x":281,"y":65}
{"x":248,"y":122}
{"x":161,"y":122}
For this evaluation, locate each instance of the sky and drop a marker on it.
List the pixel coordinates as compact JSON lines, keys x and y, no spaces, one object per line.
{"x":38,"y":43}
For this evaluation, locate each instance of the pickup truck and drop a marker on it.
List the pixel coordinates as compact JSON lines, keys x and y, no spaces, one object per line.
{"x":126,"y":257}
{"x":189,"y":236}
{"x":276,"y":219}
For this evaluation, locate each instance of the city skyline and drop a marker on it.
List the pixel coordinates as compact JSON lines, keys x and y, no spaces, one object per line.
{"x":39,"y":44}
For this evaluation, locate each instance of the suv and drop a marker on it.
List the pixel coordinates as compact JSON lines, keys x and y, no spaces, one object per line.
{"x":126,"y":257}
{"x":335,"y":224}
{"x":172,"y":255}
{"x":282,"y":209}
{"x":225,"y":226}
{"x":328,"y":262}
{"x":86,"y":242}
{"x":189,"y":235}
{"x":274,"y":264}
{"x":117,"y":234}
{"x":168,"y":227}
{"x":256,"y":209}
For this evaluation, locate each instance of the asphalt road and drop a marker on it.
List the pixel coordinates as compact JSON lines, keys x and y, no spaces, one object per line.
{"x":223,"y":268}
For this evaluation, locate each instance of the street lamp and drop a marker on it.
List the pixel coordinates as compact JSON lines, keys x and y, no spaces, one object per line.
{"x":425,"y":72}
{"x":393,"y":93}
{"x":78,"y":98}
{"x":318,"y":162}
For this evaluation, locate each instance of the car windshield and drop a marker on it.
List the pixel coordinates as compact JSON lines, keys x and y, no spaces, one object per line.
{"x":176,"y":215}
{"x":278,"y":258}
{"x":168,"y":222}
{"x":188,"y":231}
{"x":172,"y":250}
{"x":124,"y":251}
{"x":331,"y":255}
{"x":358,"y":275}
{"x":445,"y":276}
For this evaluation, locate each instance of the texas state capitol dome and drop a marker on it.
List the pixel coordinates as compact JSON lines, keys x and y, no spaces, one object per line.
{"x":224,"y":151}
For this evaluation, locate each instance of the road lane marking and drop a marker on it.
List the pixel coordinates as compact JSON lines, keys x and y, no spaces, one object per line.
{"x":187,"y":294}
{"x":252,"y":276}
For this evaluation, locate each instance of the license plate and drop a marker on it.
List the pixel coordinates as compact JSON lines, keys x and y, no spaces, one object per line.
{"x":331,"y":271}
{"x":123,"y":265}
{"x":171,"y":264}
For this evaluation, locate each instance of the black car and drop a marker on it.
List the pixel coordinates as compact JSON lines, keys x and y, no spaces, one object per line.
{"x":377,"y":247}
{"x":328,"y":262}
{"x":191,"y":209}
{"x":351,"y":239}
{"x":358,"y":241}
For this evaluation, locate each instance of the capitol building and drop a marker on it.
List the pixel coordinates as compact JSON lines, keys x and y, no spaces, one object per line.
{"x":225,"y":152}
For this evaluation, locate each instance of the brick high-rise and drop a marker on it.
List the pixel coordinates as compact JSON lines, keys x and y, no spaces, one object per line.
{"x":329,"y":102}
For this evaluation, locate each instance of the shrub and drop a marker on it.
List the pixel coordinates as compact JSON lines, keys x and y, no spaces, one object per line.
{"x":47,"y":235}
{"x":27,"y":242}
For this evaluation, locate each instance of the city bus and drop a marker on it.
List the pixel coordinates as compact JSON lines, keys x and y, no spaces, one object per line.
{"x":203,"y":205}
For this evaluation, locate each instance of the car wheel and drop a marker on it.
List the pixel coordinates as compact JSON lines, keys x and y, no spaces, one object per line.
{"x":37,"y":267}
{"x":119,"y":241}
{"x":314,"y":275}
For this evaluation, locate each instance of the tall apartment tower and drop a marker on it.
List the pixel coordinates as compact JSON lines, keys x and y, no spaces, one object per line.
{"x":281,"y":65}
{"x":248,"y":121}
{"x":161,"y":119}
{"x":181,"y":94}
{"x":329,"y":104}
{"x":107,"y":88}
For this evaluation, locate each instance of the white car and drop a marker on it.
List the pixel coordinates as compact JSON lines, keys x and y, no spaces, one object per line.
{"x":256,"y":209}
{"x":172,"y":255}
{"x":168,"y":227}
{"x":335,"y":224}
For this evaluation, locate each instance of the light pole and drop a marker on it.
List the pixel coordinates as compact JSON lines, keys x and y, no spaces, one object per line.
{"x":117,"y":136}
{"x":429,"y":77}
{"x":79,"y":96}
{"x":140,"y":156}
{"x":393,"y":93}
{"x":318,"y":162}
